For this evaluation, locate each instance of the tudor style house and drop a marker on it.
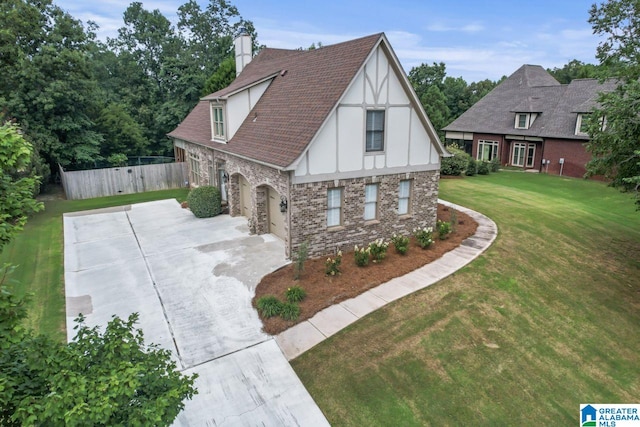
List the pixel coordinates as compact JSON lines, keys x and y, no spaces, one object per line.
{"x":329,"y":146}
{"x":531,"y":121}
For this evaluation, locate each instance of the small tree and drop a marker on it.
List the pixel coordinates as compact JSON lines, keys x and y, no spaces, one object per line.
{"x":16,"y":190}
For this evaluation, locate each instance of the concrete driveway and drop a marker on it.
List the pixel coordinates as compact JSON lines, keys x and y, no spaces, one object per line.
{"x":192,"y":281}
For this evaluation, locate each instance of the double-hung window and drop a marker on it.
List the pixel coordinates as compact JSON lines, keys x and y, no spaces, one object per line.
{"x":217,"y":121}
{"x":370,"y":202}
{"x":375,"y":131}
{"x":334,"y":207}
{"x":404,"y":197}
{"x":522,"y":121}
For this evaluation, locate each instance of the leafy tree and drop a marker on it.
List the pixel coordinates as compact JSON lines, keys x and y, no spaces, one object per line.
{"x":46,"y":81}
{"x":222,"y":77}
{"x":435,"y":105}
{"x":615,"y":125}
{"x":100,"y":378}
{"x":16,"y":190}
{"x":121,"y":133}
{"x":574,"y":69}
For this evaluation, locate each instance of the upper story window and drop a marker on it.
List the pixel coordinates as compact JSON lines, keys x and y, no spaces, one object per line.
{"x":522,"y":120}
{"x":375,"y":131}
{"x":582,"y":124}
{"x":217,"y":122}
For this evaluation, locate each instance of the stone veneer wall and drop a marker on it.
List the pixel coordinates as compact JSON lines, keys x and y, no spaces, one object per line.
{"x":308,"y":209}
{"x":258,"y":176}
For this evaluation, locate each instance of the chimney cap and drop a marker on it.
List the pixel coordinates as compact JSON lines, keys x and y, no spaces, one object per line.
{"x":242,"y":31}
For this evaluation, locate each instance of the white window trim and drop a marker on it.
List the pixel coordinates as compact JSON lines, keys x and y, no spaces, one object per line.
{"x":339,"y":208}
{"x":384,"y":131}
{"x":408,"y":198}
{"x":373,"y":202}
{"x":527,"y":121}
{"x":215,"y":136}
{"x":520,"y":145}
{"x":195,"y":174}
{"x":495,"y":144}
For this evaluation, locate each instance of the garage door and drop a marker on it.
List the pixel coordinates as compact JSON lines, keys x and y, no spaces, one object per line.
{"x":245,"y":197}
{"x":276,"y":218}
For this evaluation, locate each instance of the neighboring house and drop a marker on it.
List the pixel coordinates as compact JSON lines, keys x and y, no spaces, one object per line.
{"x":531,"y":121}
{"x":329,"y":146}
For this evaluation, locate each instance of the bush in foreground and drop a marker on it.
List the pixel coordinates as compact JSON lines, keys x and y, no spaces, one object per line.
{"x":205,"y":201}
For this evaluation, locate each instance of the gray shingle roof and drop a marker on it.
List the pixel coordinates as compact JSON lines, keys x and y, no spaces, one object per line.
{"x":531,"y":89}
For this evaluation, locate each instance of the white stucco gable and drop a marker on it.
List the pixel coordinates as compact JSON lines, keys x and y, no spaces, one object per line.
{"x":338,"y":150}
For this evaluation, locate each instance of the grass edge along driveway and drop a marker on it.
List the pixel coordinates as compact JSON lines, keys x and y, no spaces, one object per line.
{"x":546,"y":319}
{"x":38,"y":253}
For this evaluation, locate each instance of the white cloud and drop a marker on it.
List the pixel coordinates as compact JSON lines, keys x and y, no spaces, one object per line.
{"x":446,"y":27}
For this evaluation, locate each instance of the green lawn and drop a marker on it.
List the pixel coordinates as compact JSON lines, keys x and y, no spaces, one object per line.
{"x":546,"y":319}
{"x":38,"y":253}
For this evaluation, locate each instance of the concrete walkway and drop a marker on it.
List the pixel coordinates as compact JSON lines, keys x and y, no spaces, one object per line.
{"x":303,"y":336}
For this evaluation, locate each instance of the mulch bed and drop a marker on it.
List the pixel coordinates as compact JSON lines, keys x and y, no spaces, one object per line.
{"x":324,"y":291}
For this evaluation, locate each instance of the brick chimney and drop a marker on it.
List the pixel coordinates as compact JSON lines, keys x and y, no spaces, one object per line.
{"x":243,"y":48}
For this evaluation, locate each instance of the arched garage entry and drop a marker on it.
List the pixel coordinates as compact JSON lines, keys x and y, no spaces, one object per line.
{"x":275,"y":218}
{"x":245,"y":196}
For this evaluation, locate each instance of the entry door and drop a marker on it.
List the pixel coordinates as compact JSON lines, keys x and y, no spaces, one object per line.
{"x":222,"y":182}
{"x":245,"y":197}
{"x":531,"y":155}
{"x":276,"y":218}
{"x":518,"y":154}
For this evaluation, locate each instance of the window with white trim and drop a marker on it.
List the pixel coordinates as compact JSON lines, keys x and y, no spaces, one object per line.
{"x":522,"y":120}
{"x":375,"y":131}
{"x":404,"y":197}
{"x":370,"y":202}
{"x":217,"y":121}
{"x":194,"y":169}
{"x":487,"y":150}
{"x":334,"y":207}
{"x":518,"y":154}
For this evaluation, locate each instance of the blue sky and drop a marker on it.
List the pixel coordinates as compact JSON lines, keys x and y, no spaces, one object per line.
{"x":475,"y":39}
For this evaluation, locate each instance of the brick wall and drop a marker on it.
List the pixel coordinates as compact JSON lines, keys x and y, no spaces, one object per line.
{"x":309,"y":211}
{"x":574,"y":154}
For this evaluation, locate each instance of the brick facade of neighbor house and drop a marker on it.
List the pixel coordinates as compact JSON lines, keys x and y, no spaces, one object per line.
{"x":574,"y":154}
{"x":309,"y":211}
{"x":553,"y":112}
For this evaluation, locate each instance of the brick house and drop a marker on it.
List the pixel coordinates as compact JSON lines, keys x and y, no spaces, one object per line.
{"x":532,"y":121}
{"x":329,"y":146}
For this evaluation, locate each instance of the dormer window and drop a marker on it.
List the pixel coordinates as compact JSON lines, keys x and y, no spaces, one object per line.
{"x":582,"y":124}
{"x":217,"y":122}
{"x":523,"y":120}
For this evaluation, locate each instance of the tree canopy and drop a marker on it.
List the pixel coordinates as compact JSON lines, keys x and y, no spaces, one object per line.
{"x":614,"y":127}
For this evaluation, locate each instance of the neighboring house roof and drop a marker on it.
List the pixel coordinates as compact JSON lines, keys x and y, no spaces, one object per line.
{"x":307,"y":85}
{"x":531,"y":89}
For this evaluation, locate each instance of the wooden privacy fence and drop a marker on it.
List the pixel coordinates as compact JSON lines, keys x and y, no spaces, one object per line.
{"x":123,"y":180}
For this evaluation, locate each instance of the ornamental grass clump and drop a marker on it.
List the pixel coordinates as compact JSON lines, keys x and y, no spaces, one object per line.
{"x":295,"y":294}
{"x":378,"y":249}
{"x":424,"y":236}
{"x":361,"y":256}
{"x":269,"y":306}
{"x":332,"y":265}
{"x":401,"y":243}
{"x":290,"y":311}
{"x":444,"y":229}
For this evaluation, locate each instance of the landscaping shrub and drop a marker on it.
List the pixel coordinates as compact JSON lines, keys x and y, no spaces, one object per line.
{"x":483,"y":168}
{"x":454,"y":166}
{"x":269,"y":306}
{"x":378,"y":249}
{"x":424,"y":236}
{"x":453,"y":219}
{"x":494,"y":166}
{"x":295,"y":294}
{"x":472,"y":167}
{"x":290,"y":311}
{"x":332,"y":265}
{"x":401,"y":243}
{"x":444,"y":229}
{"x":301,"y":256}
{"x":361,"y":256}
{"x":205,"y":201}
